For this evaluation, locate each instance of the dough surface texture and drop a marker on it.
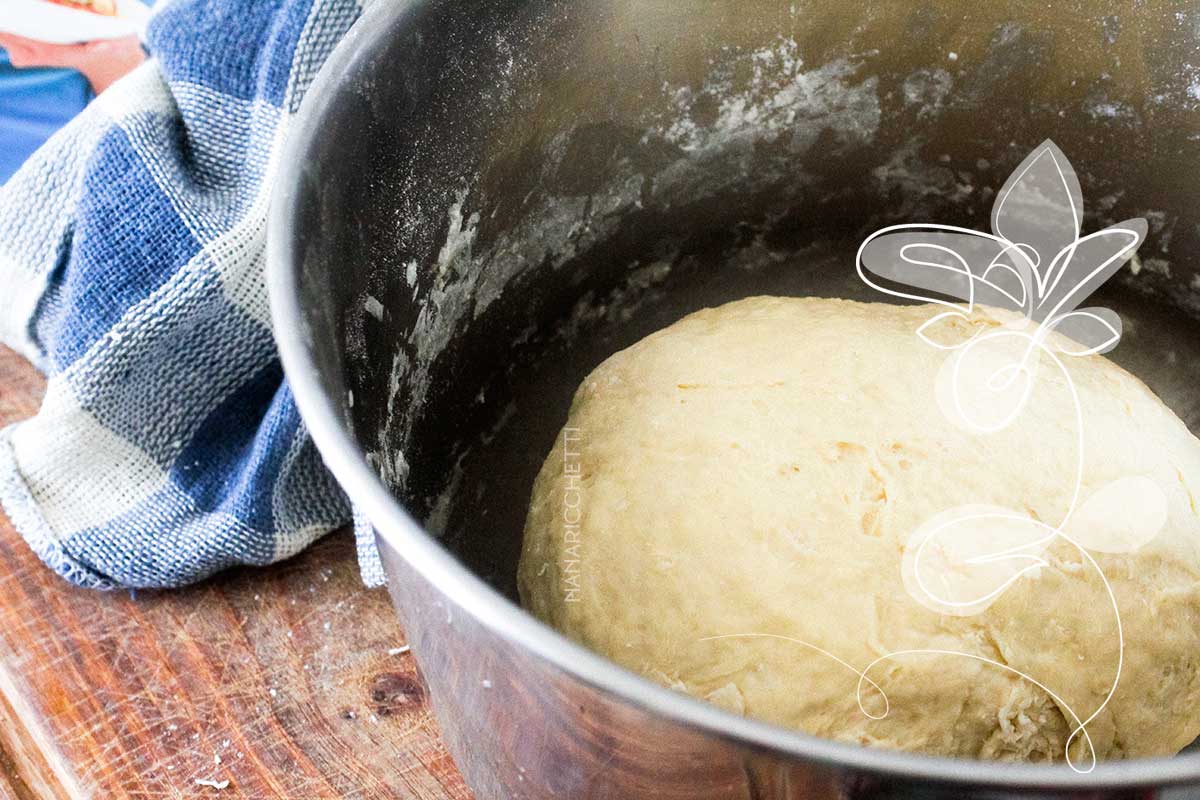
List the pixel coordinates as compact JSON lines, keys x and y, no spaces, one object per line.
{"x":755,"y":473}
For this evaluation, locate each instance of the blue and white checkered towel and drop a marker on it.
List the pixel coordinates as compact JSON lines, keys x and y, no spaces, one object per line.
{"x":131,"y":272}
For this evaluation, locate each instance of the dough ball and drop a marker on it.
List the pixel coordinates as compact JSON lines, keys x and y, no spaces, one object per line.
{"x":735,"y":503}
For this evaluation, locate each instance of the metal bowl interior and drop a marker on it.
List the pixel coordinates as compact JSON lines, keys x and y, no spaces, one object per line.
{"x":482,"y":200}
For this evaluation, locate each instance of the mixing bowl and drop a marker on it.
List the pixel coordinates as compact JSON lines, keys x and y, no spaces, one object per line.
{"x":482,"y":199}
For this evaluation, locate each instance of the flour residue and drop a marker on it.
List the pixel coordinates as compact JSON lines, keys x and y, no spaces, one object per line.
{"x":779,"y":97}
{"x":915,"y":179}
{"x":448,"y":302}
{"x":373,"y":307}
{"x":456,"y":251}
{"x":753,"y":96}
{"x":927,"y":89}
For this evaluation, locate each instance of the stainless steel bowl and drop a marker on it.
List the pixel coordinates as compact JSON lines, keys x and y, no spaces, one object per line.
{"x":481,"y":199}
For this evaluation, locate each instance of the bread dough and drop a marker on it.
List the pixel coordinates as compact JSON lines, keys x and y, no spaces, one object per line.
{"x":756,"y":472}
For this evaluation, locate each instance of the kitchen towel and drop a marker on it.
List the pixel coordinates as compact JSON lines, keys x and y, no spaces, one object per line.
{"x":168,"y":446}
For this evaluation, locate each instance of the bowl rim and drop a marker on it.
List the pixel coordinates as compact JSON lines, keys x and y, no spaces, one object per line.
{"x":398,"y":530}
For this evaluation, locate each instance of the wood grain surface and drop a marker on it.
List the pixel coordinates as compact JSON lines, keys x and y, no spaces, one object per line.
{"x":286,"y":682}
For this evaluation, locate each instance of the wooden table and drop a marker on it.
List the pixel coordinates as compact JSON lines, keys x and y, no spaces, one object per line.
{"x":286,"y":681}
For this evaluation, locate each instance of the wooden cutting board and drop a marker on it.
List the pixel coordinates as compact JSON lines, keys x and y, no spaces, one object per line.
{"x":287,"y":682}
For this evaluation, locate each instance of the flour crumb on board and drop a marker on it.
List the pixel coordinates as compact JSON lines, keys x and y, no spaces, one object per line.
{"x":396,"y":651}
{"x":218,"y":785}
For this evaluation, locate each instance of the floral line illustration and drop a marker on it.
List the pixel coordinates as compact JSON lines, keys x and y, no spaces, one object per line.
{"x":1027,"y":278}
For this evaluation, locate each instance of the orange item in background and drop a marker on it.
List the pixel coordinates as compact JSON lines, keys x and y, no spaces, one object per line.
{"x":107,"y":8}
